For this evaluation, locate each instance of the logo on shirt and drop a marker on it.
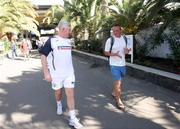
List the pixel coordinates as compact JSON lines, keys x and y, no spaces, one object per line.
{"x":64,"y":47}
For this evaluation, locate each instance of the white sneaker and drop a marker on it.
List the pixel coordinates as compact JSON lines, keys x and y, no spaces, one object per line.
{"x":75,"y":123}
{"x":59,"y":110}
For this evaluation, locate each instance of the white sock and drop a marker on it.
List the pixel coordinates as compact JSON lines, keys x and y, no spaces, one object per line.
{"x":59,"y":103}
{"x":72,"y":114}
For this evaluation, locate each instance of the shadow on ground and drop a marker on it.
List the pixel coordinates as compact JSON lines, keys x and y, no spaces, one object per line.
{"x":98,"y":109}
{"x":27,"y":102}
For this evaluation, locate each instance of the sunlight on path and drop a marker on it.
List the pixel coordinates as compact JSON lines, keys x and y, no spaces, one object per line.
{"x":11,"y":68}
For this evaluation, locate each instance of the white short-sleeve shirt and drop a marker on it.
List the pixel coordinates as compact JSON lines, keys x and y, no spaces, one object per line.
{"x":119,"y":45}
{"x":59,"y":57}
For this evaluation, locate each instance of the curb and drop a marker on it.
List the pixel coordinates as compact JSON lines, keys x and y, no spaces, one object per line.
{"x":164,"y":79}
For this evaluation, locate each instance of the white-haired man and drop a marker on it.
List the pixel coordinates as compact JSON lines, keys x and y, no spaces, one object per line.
{"x":58,"y":69}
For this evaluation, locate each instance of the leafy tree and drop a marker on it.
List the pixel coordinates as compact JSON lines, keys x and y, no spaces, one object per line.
{"x":136,"y":15}
{"x":85,"y":15}
{"x":53,"y":15}
{"x":16,"y":16}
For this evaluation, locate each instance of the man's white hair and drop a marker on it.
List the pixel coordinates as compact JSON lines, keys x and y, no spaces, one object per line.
{"x":63,"y":23}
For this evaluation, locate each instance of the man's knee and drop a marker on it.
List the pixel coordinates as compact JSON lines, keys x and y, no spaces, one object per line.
{"x":117,"y":83}
{"x":58,"y":92}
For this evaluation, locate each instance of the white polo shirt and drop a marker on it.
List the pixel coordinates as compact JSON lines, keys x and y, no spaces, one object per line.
{"x":119,"y":45}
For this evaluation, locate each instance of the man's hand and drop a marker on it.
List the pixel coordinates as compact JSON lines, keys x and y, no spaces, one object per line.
{"x":126,"y":50}
{"x":112,"y":54}
{"x":117,"y":54}
{"x":47,"y":77}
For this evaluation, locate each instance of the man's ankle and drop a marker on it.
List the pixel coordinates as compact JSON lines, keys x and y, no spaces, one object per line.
{"x":59,"y":103}
{"x":72,"y":114}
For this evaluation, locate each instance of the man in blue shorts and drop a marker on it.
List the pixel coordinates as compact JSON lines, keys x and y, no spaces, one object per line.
{"x":116,"y":54}
{"x":58,"y":69}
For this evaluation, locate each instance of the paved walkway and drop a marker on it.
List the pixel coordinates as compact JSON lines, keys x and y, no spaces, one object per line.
{"x":27,"y":102}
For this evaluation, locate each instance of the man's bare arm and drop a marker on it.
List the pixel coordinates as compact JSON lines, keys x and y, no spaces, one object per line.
{"x":126,"y":50}
{"x":112,"y":54}
{"x":46,"y":73}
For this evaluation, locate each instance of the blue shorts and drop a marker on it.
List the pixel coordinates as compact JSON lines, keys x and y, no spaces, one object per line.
{"x":118,"y":72}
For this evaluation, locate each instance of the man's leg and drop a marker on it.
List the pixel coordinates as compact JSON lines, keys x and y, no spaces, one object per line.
{"x":15,"y":53}
{"x":116,"y":77}
{"x":28,"y":54}
{"x":58,"y":97}
{"x":73,"y":121}
{"x":117,"y":88}
{"x":70,"y":98}
{"x":24,"y":54}
{"x":12,"y":54}
{"x":117,"y":93}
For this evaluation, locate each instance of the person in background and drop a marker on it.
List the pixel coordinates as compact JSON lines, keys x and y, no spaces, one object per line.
{"x":13,"y":47}
{"x":59,"y":69}
{"x":25,"y":49}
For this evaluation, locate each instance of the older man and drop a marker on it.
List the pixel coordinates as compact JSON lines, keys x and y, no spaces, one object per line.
{"x":58,"y":69}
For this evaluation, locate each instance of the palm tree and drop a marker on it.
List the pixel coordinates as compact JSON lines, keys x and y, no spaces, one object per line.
{"x":136,"y":15}
{"x":53,"y":15}
{"x":85,"y":15}
{"x":16,"y":16}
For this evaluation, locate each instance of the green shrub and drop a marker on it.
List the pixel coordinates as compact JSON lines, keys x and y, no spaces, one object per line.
{"x":92,"y":46}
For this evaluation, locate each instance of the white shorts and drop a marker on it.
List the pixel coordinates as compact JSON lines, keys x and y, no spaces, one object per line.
{"x":66,"y":82}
